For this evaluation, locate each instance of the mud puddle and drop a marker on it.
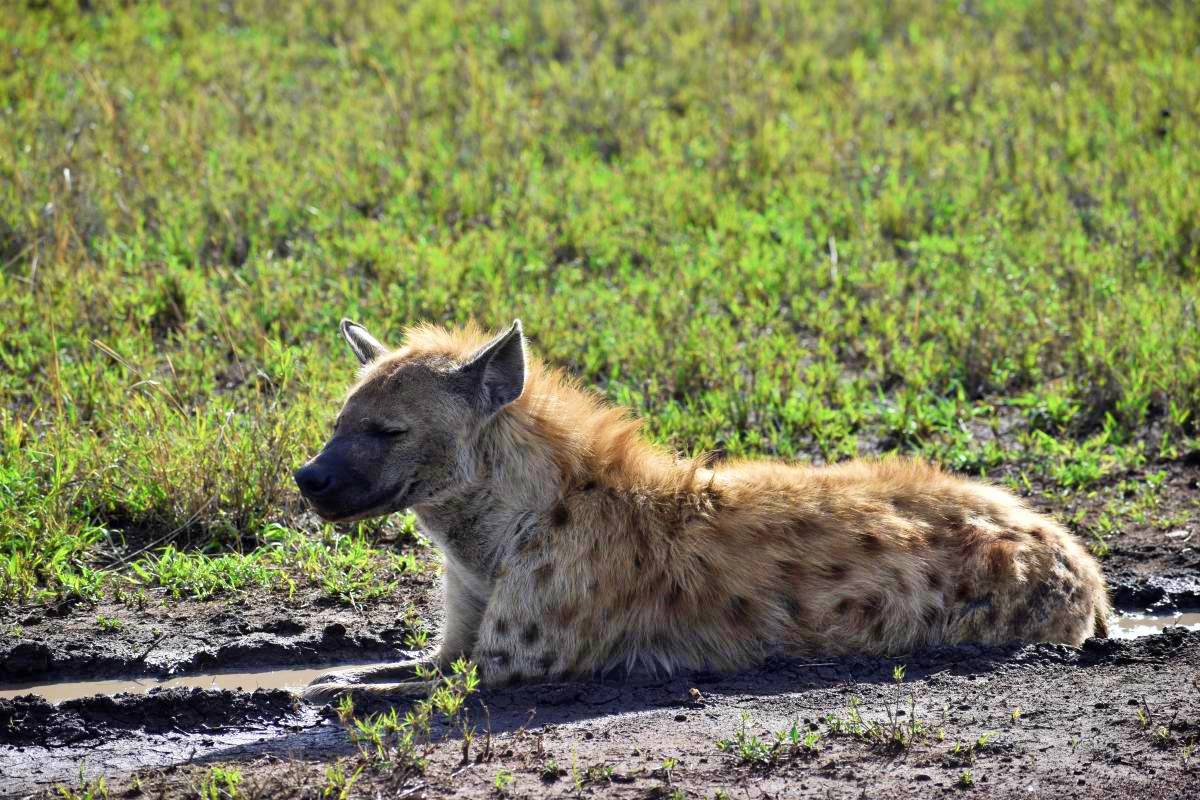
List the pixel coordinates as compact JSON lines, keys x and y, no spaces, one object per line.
{"x":1133,"y":625}
{"x":247,"y":681}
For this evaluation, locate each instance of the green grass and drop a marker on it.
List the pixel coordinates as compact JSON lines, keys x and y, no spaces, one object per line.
{"x":773,"y":228}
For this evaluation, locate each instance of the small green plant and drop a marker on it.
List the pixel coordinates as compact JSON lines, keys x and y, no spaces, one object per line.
{"x":338,"y":782}
{"x":84,"y":789}
{"x":599,"y":773}
{"x":966,"y":779}
{"x":898,"y":731}
{"x":964,"y":754}
{"x":1161,"y":737}
{"x":752,"y":750}
{"x":504,"y":779}
{"x":108,"y":624}
{"x":221,"y":783}
{"x":550,"y":770}
{"x":748,"y":748}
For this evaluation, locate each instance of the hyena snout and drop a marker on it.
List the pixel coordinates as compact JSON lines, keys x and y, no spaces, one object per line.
{"x":314,"y":479}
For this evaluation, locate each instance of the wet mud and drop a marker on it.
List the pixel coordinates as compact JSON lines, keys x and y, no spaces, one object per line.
{"x":1116,"y":718}
{"x":1077,"y":731}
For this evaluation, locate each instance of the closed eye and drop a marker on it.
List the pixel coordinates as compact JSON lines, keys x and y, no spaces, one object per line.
{"x":388,"y":430}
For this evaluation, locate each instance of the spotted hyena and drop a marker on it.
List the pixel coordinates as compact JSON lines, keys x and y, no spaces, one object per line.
{"x":573,"y":545}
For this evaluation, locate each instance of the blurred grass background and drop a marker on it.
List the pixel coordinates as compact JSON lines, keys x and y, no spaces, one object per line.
{"x":799,"y":229}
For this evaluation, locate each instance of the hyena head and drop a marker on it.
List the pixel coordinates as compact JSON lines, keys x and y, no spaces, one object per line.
{"x":405,"y":434}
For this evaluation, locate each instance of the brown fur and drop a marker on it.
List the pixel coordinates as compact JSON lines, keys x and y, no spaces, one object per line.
{"x":573,"y":545}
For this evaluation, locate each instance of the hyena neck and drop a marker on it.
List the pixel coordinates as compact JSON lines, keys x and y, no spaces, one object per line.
{"x":511,"y":479}
{"x":554,"y":440}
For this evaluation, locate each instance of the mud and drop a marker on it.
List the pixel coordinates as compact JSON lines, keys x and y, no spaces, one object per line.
{"x":167,"y":636}
{"x":33,"y":721}
{"x":1117,"y":718}
{"x":1078,"y":732}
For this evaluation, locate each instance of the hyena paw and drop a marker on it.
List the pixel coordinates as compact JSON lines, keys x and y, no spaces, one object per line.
{"x":331,"y":692}
{"x":328,"y":692}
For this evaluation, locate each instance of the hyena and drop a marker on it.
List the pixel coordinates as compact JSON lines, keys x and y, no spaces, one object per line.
{"x":574,"y":546}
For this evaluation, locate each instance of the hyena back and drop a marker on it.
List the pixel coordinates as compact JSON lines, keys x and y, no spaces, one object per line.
{"x":573,"y":545}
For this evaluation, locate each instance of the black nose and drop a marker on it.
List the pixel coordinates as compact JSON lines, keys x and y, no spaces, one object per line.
{"x":313,"y":479}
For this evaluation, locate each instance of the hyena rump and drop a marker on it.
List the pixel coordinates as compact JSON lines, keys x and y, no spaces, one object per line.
{"x":573,"y":545}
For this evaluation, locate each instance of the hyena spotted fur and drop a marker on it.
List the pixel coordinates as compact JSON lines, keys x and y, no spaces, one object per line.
{"x":573,"y":546}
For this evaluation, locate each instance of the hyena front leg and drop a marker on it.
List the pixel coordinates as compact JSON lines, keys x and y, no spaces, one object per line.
{"x":531,"y":631}
{"x":416,"y":678}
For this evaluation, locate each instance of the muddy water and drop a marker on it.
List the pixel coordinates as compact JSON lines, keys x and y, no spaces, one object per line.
{"x":247,"y":681}
{"x":1133,"y":625}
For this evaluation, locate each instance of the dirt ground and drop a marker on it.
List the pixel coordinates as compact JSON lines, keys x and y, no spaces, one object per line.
{"x":1115,"y":719}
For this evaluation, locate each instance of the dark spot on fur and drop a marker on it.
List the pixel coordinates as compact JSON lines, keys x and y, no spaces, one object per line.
{"x":528,"y":536}
{"x":1040,"y":535}
{"x":1067,"y":563}
{"x":545,"y":663}
{"x":675,"y":595}
{"x":933,"y":577}
{"x":930,"y":616}
{"x":543,"y":574}
{"x":971,"y":540}
{"x":501,"y":626}
{"x":581,"y":664}
{"x":870,"y":541}
{"x":873,"y":605}
{"x":983,"y":604}
{"x":1011,"y":536}
{"x":566,"y":614}
{"x":561,"y":515}
{"x":877,"y":630}
{"x":793,"y":572}
{"x":1018,"y":619}
{"x":992,"y":614}
{"x":637,"y":562}
{"x":531,"y":633}
{"x":792,"y":605}
{"x":739,"y":610}
{"x":963,"y":592}
{"x":835,"y":572}
{"x":844,"y":606}
{"x":588,"y":487}
{"x":1000,"y":559}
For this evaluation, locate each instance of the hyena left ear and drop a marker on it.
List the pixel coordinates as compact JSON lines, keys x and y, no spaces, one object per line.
{"x":366,"y":348}
{"x":496,"y":372}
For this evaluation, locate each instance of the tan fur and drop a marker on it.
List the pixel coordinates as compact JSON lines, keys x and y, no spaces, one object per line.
{"x":574,"y":546}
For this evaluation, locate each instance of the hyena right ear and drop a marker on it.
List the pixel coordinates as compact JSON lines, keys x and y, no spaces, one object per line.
{"x":365,"y":346}
{"x":495,"y":374}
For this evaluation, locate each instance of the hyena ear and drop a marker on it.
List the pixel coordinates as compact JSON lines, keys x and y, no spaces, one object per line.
{"x":366,"y":348}
{"x":495,"y":374}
